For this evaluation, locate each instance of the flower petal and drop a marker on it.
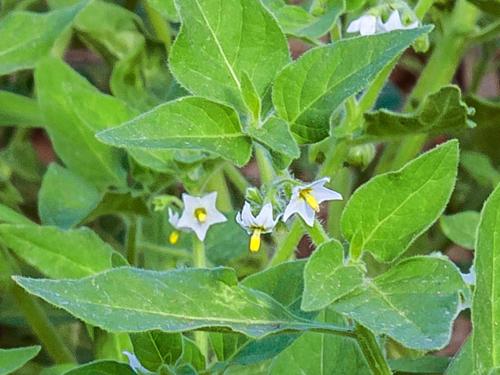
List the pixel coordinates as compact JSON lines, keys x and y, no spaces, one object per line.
{"x":265,"y":216}
{"x":292,"y":207}
{"x":368,"y":25}
{"x":354,"y":26}
{"x":393,"y":22}
{"x":323,"y":194}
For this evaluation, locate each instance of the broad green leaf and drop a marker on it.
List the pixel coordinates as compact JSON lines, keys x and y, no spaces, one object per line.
{"x":275,"y":135}
{"x":486,"y":298}
{"x":28,"y":37}
{"x":189,"y":123}
{"x":211,"y":53}
{"x":422,"y":365}
{"x":306,"y":92}
{"x":251,"y":98}
{"x":19,"y":110}
{"x":440,"y":112}
{"x":479,"y":167}
{"x":298,"y":22}
{"x":13,"y":359}
{"x":415,"y":302}
{"x":116,"y":203}
{"x":9,"y":216}
{"x":65,"y":199}
{"x":327,"y":278}
{"x":461,"y":228}
{"x":463,"y":363}
{"x":317,"y":353}
{"x":389,"y":212}
{"x":74,"y":111}
{"x":166,"y":8}
{"x":172,"y":301}
{"x":155,"y":349}
{"x":225,"y":243}
{"x":104,"y":367}
{"x":57,"y":253}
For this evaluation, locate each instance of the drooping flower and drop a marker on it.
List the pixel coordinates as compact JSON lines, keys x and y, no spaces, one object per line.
{"x":394,"y":23}
{"x":173,"y":219}
{"x":366,"y":25}
{"x":200,"y":213}
{"x":256,"y":226}
{"x":306,"y":199}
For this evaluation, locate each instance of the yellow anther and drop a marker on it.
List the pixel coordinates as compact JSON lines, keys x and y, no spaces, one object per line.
{"x":200,"y":214}
{"x":255,"y":240}
{"x":173,"y":238}
{"x":306,"y":195}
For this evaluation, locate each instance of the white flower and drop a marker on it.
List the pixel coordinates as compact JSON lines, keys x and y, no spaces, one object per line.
{"x":366,"y":25}
{"x":173,"y":219}
{"x":394,"y":23}
{"x":134,"y":363}
{"x":263,"y":223}
{"x":306,"y":200}
{"x":200,"y":213}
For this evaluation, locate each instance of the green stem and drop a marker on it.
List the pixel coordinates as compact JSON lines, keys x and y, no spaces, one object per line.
{"x":217,"y":182}
{"x":265,"y":167}
{"x":317,"y":233}
{"x":42,"y":326}
{"x":287,"y":247}
{"x":177,"y":253}
{"x":372,"y":351}
{"x":334,"y":160}
{"x":199,"y":261}
{"x":423,"y":7}
{"x":160,"y":26}
{"x":236,"y":178}
{"x":343,"y":184}
{"x":131,"y":245}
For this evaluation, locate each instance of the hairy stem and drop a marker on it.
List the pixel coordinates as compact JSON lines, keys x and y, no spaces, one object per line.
{"x":317,"y":233}
{"x":199,"y":261}
{"x":288,"y":245}
{"x":217,"y":182}
{"x":236,"y":178}
{"x":372,"y":351}
{"x":160,"y":26}
{"x":131,"y":245}
{"x":265,"y":167}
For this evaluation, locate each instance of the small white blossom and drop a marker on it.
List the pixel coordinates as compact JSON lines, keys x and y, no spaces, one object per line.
{"x":394,"y":23}
{"x":199,"y":214}
{"x":366,"y":25}
{"x":263,"y":223}
{"x":134,"y":363}
{"x":306,"y":199}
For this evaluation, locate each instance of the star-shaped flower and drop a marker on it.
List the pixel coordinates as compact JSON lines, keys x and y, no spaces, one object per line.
{"x":200,"y":213}
{"x":306,"y":199}
{"x":366,"y":25}
{"x":173,"y":219}
{"x":263,"y":223}
{"x":394,"y":23}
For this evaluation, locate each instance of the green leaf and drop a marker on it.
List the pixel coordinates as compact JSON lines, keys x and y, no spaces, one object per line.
{"x":225,"y":243}
{"x":211,"y":54}
{"x":105,"y":367}
{"x":306,"y":92}
{"x":463,"y":363}
{"x":297,"y":22}
{"x":316,"y":353}
{"x":65,"y":199}
{"x":326,"y":278}
{"x":389,"y":212}
{"x":28,"y":37}
{"x":19,"y":110}
{"x":9,"y":216}
{"x":251,"y":98}
{"x":275,"y":135}
{"x":189,"y":123}
{"x":155,"y":349}
{"x":166,"y":8}
{"x":415,"y":302}
{"x":135,"y":300}
{"x":192,"y":355}
{"x":74,"y":111}
{"x":57,"y":253}
{"x":440,"y":112}
{"x":423,"y":365}
{"x":486,"y":298}
{"x":13,"y":359}
{"x":461,"y":228}
{"x":479,"y":167}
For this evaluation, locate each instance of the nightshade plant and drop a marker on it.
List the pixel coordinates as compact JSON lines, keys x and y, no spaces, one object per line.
{"x":192,"y":154}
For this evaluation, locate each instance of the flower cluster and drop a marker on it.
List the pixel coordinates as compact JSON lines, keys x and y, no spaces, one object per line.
{"x":200,"y":213}
{"x":369,"y":24}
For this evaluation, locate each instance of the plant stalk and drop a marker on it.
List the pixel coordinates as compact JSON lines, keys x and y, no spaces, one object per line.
{"x":317,"y":233}
{"x":372,"y":351}
{"x":199,"y":261}
{"x":288,"y":245}
{"x":160,"y":26}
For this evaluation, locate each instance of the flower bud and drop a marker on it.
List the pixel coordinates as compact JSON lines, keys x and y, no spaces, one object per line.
{"x":361,"y":156}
